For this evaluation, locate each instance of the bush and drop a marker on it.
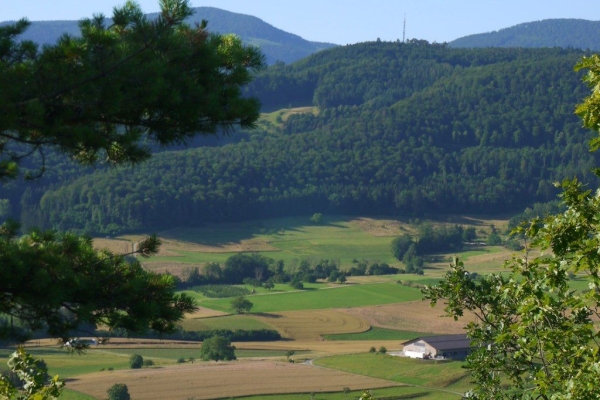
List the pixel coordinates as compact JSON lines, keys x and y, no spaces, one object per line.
{"x":372,"y":350}
{"x":317,"y":218}
{"x":217,"y":348}
{"x":136,"y":361}
{"x":493,"y":239}
{"x":241,"y":305}
{"x":514,"y":245}
{"x":382,"y":350}
{"x":148,"y":363}
{"x":297,"y":284}
{"x":118,"y":391}
{"x":400,"y":246}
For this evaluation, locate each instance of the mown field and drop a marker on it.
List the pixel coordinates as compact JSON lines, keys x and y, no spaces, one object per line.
{"x":338,"y":296}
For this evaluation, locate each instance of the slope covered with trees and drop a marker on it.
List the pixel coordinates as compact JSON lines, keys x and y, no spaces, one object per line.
{"x":402,"y":128}
{"x":277,"y":45}
{"x":566,"y":33}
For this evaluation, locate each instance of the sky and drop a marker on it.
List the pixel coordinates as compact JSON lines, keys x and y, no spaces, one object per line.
{"x":344,"y":21}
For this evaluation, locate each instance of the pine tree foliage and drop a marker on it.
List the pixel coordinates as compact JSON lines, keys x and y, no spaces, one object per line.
{"x":105,"y":97}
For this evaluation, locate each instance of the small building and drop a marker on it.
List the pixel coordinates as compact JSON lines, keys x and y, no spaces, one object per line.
{"x":445,"y":346}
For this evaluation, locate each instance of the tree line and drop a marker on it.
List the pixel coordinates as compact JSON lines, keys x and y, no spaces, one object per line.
{"x":403,"y":129}
{"x":257,"y":270}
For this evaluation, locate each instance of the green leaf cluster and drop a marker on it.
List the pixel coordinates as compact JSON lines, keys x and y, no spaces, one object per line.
{"x":531,"y":329}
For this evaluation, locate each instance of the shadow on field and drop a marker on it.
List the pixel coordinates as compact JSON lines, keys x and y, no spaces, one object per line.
{"x":267,"y":315}
{"x":220,"y":235}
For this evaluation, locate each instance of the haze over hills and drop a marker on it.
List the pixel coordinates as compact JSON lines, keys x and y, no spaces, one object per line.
{"x":395,"y":128}
{"x":566,"y":33}
{"x":276,"y":44}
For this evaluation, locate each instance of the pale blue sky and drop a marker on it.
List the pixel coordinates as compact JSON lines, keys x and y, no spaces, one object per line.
{"x":345,"y":21}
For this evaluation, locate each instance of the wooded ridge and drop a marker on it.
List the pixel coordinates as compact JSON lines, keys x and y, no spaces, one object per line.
{"x":400,"y":128}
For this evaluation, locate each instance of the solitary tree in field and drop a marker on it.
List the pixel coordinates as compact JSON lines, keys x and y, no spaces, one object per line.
{"x":317,"y":218}
{"x":217,"y":348}
{"x":136,"y":361}
{"x":118,"y":391}
{"x":241,"y":305}
{"x":535,"y":336}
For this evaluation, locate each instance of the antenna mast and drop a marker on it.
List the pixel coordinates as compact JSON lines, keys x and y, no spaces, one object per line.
{"x":404,"y":30}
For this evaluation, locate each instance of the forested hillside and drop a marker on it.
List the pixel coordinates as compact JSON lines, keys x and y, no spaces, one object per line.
{"x":566,"y":33}
{"x":276,"y":44}
{"x":401,"y":128}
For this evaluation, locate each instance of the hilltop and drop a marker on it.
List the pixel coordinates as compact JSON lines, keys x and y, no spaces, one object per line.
{"x":566,"y":33}
{"x":277,"y":45}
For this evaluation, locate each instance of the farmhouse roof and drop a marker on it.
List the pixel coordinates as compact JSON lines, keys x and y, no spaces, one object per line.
{"x":445,"y":342}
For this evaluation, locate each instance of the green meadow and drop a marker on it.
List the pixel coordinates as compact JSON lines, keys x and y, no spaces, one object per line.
{"x":67,"y":365}
{"x":289,"y":239}
{"x":376,"y":333}
{"x":427,"y":373}
{"x":341,"y":296}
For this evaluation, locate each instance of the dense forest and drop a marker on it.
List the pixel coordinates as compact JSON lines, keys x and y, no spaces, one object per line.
{"x":562,"y":32}
{"x":399,"y":128}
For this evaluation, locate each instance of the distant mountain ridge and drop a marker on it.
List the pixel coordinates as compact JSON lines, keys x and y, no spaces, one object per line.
{"x":565,"y":33}
{"x":276,"y":44}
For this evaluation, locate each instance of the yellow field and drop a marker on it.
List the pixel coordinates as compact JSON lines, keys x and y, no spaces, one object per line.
{"x":311,"y":325}
{"x":118,"y":246}
{"x":414,"y":316}
{"x":223,"y":380}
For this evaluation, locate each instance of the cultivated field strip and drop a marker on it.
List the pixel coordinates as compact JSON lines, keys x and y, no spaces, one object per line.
{"x":224,"y":380}
{"x":415,"y":316}
{"x":311,"y":325}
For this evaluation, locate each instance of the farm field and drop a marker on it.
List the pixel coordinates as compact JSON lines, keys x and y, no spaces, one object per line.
{"x":327,"y":297}
{"x":413,"y":316}
{"x":376,"y":333}
{"x":330,"y":327}
{"x":313,"y":324}
{"x":224,"y":379}
{"x":449,"y":376}
{"x":231,"y":322}
{"x":291,"y":239}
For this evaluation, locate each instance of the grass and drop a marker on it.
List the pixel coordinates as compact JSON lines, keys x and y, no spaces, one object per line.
{"x":66,"y":365}
{"x":339,"y":297}
{"x":376,"y":333}
{"x":427,"y":373}
{"x":69,"y":365}
{"x":294,"y":238}
{"x":291,"y":239}
{"x":74,"y":395}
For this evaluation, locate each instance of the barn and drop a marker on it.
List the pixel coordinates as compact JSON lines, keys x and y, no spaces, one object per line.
{"x":443,"y":346}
